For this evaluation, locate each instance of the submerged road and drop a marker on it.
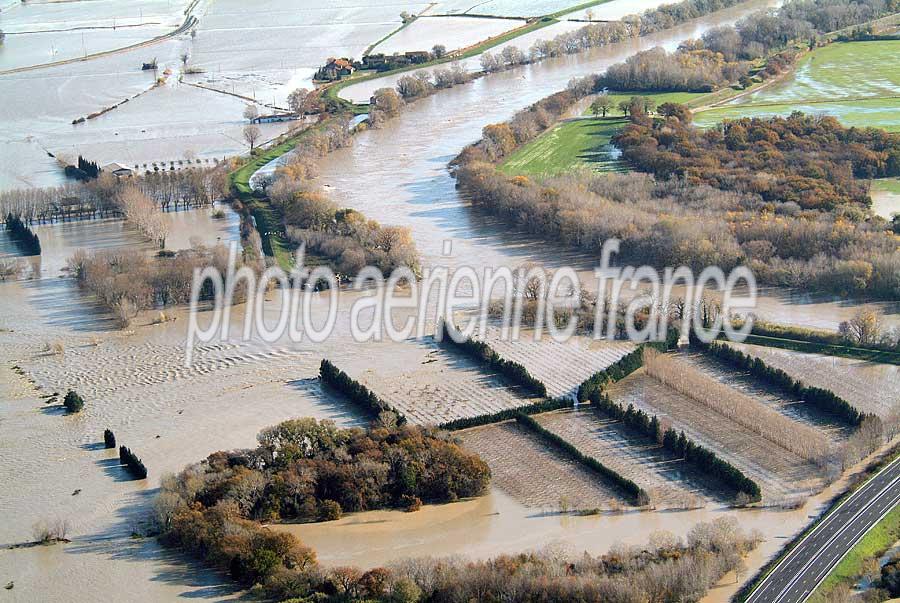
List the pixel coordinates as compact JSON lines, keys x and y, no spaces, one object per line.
{"x":804,"y":568}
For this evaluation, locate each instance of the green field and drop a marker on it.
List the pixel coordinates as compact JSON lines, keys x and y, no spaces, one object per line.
{"x":856,"y":82}
{"x":683,"y":98}
{"x":872,"y":546}
{"x":887,"y":185}
{"x":568,"y":145}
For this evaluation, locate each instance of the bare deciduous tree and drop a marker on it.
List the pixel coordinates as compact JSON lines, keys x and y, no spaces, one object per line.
{"x":252,"y":135}
{"x":251,"y":112}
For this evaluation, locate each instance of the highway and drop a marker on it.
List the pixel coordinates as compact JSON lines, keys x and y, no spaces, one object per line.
{"x":804,"y":568}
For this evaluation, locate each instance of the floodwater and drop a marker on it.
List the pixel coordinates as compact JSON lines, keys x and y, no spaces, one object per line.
{"x":452,"y":32}
{"x":44,"y":32}
{"x":496,"y":524}
{"x":886,"y":198}
{"x":137,"y":384}
{"x":404,"y":166}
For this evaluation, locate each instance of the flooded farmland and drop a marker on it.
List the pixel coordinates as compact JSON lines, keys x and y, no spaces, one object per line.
{"x":53,"y":338}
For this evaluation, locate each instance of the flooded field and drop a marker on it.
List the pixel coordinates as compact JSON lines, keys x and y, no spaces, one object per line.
{"x":535,"y":475}
{"x":668,"y":481}
{"x":746,"y":383}
{"x":856,"y":82}
{"x":432,"y":384}
{"x":452,"y":32}
{"x":562,"y":367}
{"x":46,"y":32}
{"x":782,"y":475}
{"x":870,"y":387}
{"x":267,"y":49}
{"x":136,"y":382}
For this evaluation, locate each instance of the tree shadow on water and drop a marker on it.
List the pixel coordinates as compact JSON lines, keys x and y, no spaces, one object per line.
{"x":117,"y":543}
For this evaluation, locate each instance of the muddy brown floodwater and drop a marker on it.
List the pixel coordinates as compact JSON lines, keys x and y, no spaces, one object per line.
{"x":136,"y":383}
{"x":404,"y":168}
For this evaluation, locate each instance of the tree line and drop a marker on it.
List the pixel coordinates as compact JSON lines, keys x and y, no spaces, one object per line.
{"x":355,"y":391}
{"x":133,"y":464}
{"x":507,"y":414}
{"x":100,"y":197}
{"x":706,"y":461}
{"x":636,"y":494}
{"x":128,"y":281}
{"x":823,"y":399}
{"x":22,"y":235}
{"x":485,"y":355}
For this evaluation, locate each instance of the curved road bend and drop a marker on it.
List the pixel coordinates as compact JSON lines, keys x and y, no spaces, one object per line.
{"x":801,"y":571}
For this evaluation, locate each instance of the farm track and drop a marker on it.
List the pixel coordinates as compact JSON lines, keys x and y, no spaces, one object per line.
{"x":781,"y":474}
{"x":534,"y":474}
{"x":669,"y":482}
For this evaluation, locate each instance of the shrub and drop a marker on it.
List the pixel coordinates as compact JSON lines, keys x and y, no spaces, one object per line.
{"x":505,"y":415}
{"x":73,"y":402}
{"x":109,"y":439}
{"x":330,"y":510}
{"x":411,"y":503}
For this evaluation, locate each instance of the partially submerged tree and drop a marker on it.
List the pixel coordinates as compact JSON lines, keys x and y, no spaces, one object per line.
{"x":251,"y":112}
{"x":252,"y":135}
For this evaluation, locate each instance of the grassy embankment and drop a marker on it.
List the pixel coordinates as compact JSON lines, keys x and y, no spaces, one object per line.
{"x":856,"y":82}
{"x":268,"y":219}
{"x":851,"y":569}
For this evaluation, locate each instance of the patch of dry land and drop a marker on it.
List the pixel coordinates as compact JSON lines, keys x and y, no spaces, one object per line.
{"x":870,"y":387}
{"x":781,"y":474}
{"x":669,"y":481}
{"x":432,"y":385}
{"x":534,"y":474}
{"x":562,"y":367}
